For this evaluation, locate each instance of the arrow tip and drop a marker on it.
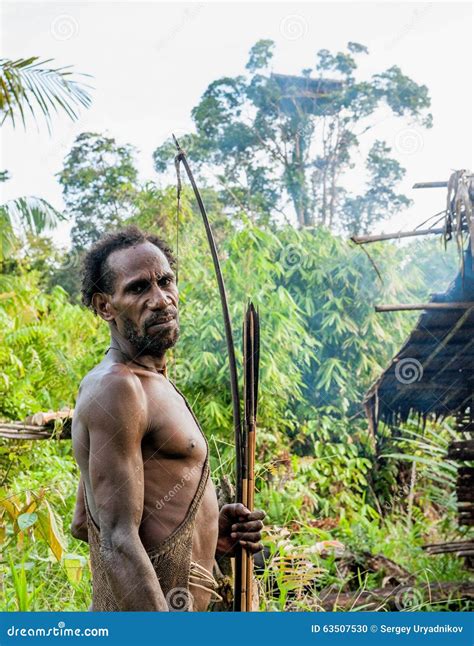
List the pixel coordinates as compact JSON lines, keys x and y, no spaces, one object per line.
{"x":176,"y":142}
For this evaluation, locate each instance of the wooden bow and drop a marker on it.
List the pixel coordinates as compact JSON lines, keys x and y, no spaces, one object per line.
{"x":244,"y":442}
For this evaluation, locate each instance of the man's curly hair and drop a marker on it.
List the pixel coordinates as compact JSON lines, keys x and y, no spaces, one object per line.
{"x":96,"y":276}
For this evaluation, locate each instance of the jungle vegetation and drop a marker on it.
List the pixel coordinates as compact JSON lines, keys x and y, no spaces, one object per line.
{"x":324,"y":483}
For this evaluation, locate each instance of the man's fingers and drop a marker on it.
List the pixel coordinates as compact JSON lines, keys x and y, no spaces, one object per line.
{"x":253,"y":548}
{"x":252,"y":537}
{"x":240,"y":513}
{"x":252,"y":526}
{"x":235,"y":509}
{"x":256,"y":514}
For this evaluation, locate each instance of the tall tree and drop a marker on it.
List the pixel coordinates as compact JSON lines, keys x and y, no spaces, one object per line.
{"x":100,"y":184}
{"x":275,"y":140}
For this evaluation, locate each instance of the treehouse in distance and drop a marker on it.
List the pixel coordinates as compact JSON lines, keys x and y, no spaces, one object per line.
{"x":308,"y":95}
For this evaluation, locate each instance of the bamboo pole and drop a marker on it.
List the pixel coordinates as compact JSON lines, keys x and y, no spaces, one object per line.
{"x":27,"y":435}
{"x":400,"y":307}
{"x":430,"y":185}
{"x":394,"y":236}
{"x":445,"y":548}
{"x":19,"y":426}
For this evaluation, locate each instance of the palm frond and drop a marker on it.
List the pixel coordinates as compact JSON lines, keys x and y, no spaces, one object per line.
{"x":28,"y":215}
{"x":28,"y":84}
{"x":35,"y":214}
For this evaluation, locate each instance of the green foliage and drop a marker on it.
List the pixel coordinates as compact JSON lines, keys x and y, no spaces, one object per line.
{"x":319,"y":475}
{"x":46,"y":343}
{"x":336,"y":287}
{"x":44,"y":567}
{"x":433,"y":477}
{"x":260,"y":55}
{"x":99,"y":183}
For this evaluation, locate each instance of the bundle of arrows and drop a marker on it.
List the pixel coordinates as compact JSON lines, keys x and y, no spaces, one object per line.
{"x":243,"y":594}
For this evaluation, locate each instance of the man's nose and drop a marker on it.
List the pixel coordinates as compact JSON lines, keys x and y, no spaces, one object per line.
{"x":159,"y":299}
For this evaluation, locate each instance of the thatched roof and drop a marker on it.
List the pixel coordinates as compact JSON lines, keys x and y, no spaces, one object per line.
{"x":433,"y":374}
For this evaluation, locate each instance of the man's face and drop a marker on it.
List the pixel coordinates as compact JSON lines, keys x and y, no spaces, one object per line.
{"x":144,"y":302}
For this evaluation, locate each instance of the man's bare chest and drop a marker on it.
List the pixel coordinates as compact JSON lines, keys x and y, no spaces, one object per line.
{"x":173,"y":432}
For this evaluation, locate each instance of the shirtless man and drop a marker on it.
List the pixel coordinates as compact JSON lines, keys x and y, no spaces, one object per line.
{"x":143,"y":458}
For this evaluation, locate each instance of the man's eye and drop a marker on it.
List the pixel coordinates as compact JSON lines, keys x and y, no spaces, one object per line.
{"x":165,"y":281}
{"x":136,"y":289}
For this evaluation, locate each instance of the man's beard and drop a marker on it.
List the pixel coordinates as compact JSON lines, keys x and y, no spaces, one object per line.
{"x":155,"y":344}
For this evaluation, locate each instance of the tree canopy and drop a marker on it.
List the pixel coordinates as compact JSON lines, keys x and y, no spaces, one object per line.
{"x":279,"y":144}
{"x":99,"y":182}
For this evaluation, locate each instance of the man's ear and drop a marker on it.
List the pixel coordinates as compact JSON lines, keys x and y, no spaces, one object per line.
{"x":103,"y":306}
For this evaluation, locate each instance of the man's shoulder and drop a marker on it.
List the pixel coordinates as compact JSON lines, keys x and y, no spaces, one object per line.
{"x":111,"y":386}
{"x":105,"y":373}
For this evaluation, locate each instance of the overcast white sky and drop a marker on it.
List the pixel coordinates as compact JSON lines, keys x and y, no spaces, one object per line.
{"x":151,"y":62}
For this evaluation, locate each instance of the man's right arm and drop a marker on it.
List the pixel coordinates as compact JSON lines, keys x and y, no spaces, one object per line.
{"x":116,"y":423}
